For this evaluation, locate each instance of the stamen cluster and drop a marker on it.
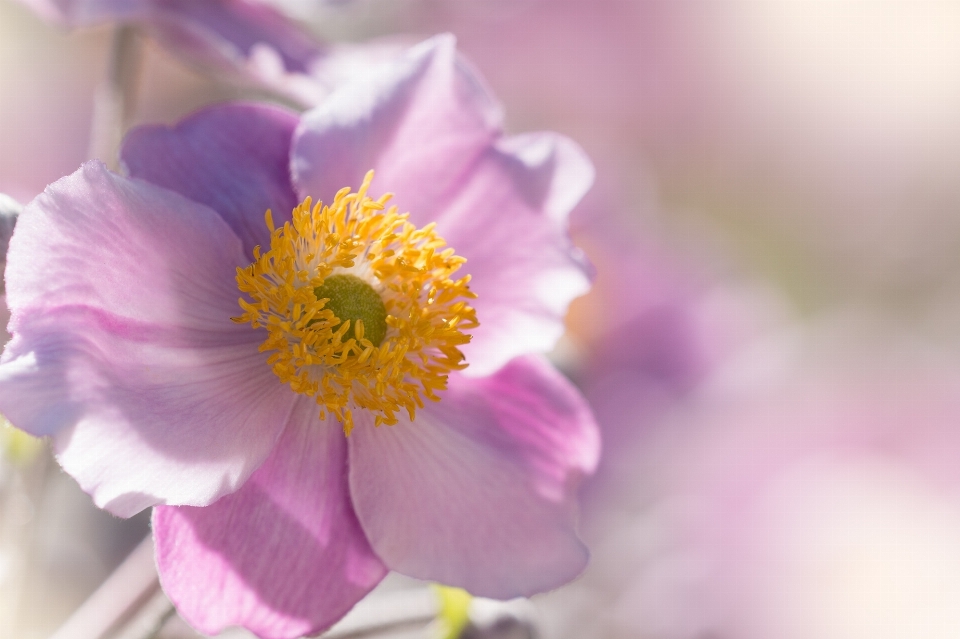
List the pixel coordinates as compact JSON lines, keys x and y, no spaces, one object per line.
{"x":314,"y":351}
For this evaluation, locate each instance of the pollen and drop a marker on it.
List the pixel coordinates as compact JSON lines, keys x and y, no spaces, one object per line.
{"x":362,"y":310}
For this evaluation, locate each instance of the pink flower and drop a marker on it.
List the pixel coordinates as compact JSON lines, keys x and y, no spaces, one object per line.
{"x":655,"y":326}
{"x":245,"y":38}
{"x":823,"y":502}
{"x":122,"y":291}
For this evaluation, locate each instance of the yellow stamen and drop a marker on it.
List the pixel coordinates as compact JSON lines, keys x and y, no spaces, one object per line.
{"x":331,"y":360}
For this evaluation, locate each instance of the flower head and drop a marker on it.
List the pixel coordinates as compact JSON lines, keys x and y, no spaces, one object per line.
{"x":159,"y":387}
{"x":336,"y":281}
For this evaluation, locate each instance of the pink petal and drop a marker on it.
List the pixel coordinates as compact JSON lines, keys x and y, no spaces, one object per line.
{"x":420,"y":122}
{"x":235,"y":158}
{"x":121,"y":295}
{"x":431,"y":131}
{"x":508,"y":219}
{"x":97,"y":239}
{"x":285,"y":555}
{"x":479,"y":491}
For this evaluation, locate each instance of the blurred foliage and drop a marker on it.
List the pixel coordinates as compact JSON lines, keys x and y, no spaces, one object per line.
{"x":454,"y":611}
{"x":17,"y":446}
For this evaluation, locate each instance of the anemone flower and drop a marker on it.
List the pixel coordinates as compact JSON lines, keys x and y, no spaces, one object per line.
{"x":821,"y":501}
{"x":248,"y":39}
{"x":463,"y":447}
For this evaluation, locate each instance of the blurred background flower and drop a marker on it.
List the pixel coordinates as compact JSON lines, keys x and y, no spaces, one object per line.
{"x":820,"y":503}
{"x":761,"y":166}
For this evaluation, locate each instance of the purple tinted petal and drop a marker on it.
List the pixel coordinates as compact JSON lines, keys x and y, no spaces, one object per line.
{"x":97,"y":239}
{"x":216,"y":29}
{"x":221,"y":33}
{"x":479,"y":491}
{"x":234,"y":158}
{"x":508,"y":219}
{"x":284,"y":556}
{"x":121,"y":295}
{"x":249,"y":40}
{"x":420,"y":122}
{"x":142,"y":414}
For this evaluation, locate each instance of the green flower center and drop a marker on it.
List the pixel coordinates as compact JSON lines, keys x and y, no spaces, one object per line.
{"x":352,"y":299}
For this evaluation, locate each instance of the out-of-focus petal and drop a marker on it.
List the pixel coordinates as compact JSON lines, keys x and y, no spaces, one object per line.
{"x":231,"y":29}
{"x":508,"y":219}
{"x":234,"y":158}
{"x":420,"y":122}
{"x":231,"y":36}
{"x":121,"y":297}
{"x":479,"y":491}
{"x":285,"y":555}
{"x":78,"y":13}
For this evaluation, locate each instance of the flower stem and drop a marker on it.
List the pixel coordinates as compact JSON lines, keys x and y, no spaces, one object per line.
{"x":149,"y":620}
{"x":114,"y":101}
{"x":9,"y":211}
{"x":373,"y":630}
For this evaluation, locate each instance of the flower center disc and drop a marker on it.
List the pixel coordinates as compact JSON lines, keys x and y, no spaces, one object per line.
{"x":360,"y":307}
{"x":351,"y":299}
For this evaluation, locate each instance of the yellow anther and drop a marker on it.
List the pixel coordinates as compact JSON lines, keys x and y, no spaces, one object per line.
{"x":316,"y":352}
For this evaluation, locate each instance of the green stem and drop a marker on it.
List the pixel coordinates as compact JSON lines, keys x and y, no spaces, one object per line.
{"x":113,"y":104}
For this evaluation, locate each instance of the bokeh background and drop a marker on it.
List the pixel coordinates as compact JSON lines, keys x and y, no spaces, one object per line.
{"x":772,"y":347}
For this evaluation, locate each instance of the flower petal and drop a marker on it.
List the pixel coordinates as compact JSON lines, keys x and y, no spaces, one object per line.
{"x":129,"y":248}
{"x":231,"y":36}
{"x":234,"y":158}
{"x":478,"y":491}
{"x":219,"y":31}
{"x":121,"y":295}
{"x":508,"y":219}
{"x":420,"y":122}
{"x":285,"y":555}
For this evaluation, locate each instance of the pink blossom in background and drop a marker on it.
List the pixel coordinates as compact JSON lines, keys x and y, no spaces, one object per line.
{"x":820,"y":501}
{"x":668,"y":307}
{"x":632,"y":337}
{"x":248,"y":39}
{"x":659,"y":327}
{"x":661,"y":323}
{"x":122,"y":289}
